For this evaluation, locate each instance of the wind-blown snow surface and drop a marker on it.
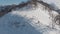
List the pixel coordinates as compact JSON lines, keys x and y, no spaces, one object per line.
{"x":27,"y":21}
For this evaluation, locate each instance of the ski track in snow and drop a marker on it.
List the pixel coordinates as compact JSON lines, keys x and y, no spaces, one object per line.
{"x":32,"y":21}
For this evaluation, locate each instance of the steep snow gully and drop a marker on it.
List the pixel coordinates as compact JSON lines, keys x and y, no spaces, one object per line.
{"x":28,"y":21}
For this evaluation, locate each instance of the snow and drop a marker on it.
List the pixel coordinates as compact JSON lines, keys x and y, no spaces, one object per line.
{"x":56,"y":2}
{"x":28,"y":21}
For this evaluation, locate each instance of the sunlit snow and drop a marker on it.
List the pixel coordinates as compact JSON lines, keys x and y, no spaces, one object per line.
{"x":28,"y":21}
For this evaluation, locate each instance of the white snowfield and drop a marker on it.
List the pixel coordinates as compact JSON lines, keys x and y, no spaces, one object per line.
{"x":28,"y":21}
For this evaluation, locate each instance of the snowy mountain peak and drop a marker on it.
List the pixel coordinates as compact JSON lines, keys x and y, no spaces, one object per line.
{"x":28,"y":18}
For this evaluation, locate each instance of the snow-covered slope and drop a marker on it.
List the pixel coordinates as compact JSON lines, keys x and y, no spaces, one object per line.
{"x":56,"y":2}
{"x":27,"y":21}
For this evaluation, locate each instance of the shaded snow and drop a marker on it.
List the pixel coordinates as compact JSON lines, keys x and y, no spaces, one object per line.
{"x":27,"y":21}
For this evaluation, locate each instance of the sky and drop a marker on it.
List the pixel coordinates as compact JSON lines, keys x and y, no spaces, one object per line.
{"x":8,"y":2}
